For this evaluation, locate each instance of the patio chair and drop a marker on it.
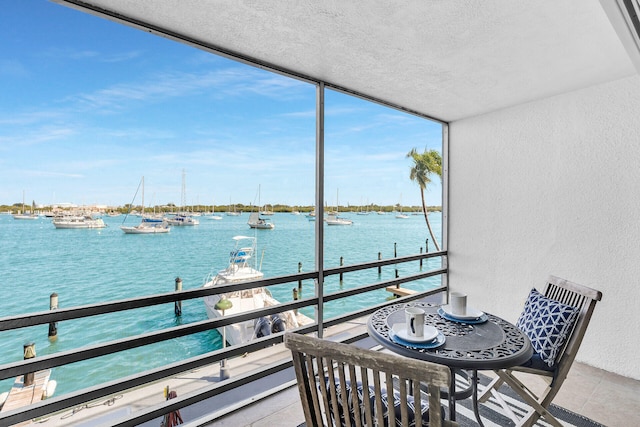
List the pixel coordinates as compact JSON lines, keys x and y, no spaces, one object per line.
{"x":344,"y":385}
{"x":556,"y":322}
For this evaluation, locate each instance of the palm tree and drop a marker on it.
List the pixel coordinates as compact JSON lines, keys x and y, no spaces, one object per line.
{"x":424,"y":165}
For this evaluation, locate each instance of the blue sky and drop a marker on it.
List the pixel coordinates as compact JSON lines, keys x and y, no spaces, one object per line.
{"x":89,"y":106}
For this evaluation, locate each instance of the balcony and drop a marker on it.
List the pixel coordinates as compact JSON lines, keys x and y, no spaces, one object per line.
{"x":261,"y":384}
{"x":603,"y":397}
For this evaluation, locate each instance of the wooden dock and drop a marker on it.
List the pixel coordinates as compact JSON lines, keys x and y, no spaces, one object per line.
{"x":20,"y":396}
{"x":400,"y":292}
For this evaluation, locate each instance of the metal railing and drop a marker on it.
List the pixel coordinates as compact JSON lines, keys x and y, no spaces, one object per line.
{"x":73,"y":399}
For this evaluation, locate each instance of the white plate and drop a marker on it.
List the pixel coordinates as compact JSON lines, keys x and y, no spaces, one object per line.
{"x":472,"y":313}
{"x":400,"y":329}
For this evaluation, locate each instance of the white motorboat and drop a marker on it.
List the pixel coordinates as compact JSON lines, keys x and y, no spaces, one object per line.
{"x":182,"y":219}
{"x":242,"y":268}
{"x":256,"y":221}
{"x":147,"y":227}
{"x":78,"y":221}
{"x":336,"y":220}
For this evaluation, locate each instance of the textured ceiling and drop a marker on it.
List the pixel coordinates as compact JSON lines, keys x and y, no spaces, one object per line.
{"x":445,"y":59}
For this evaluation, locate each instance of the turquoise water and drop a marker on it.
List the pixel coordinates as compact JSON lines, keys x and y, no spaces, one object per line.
{"x":99,"y":265}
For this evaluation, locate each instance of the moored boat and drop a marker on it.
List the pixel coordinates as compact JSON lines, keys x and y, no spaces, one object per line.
{"x":401,"y":215}
{"x":242,"y":268}
{"x":333,"y":217}
{"x":255,"y":221}
{"x":78,"y":221}
{"x":336,"y":220}
{"x":182,"y":219}
{"x":25,"y":216}
{"x":148,"y":225}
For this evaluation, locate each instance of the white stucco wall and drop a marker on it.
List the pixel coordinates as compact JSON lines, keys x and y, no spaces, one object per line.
{"x":553,"y":187}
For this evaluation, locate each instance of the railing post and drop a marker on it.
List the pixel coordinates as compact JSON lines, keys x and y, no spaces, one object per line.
{"x":379,"y":267}
{"x":420,"y":258}
{"x":299,"y":281}
{"x":341,"y":264}
{"x":222,"y":305}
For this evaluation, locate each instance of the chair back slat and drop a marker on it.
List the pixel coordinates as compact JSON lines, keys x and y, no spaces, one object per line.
{"x":332,"y":376}
{"x":368,"y":408}
{"x":581,"y":297}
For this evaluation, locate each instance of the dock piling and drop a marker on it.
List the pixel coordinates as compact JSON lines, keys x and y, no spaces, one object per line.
{"x":53,"y":327}
{"x":299,"y":281}
{"x":395,"y":255}
{"x":29,"y":353}
{"x":295,"y":298}
{"x":178,"y":304}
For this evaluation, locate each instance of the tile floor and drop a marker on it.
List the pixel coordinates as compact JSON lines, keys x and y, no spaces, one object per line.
{"x":604,"y":397}
{"x":607,"y":398}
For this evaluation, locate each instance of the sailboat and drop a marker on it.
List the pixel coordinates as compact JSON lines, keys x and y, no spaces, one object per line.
{"x":232,"y":212}
{"x":401,"y":215}
{"x":23,"y":214}
{"x":362,"y":210}
{"x":256,"y":221}
{"x":213,"y":213}
{"x":182,"y":218}
{"x":149,"y":225}
{"x":335,"y":219}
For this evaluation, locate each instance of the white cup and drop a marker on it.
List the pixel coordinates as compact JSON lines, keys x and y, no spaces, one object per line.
{"x":414,"y":317}
{"x":458,"y":302}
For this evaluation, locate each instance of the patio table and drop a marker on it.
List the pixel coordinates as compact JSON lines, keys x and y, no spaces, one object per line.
{"x":492,"y":344}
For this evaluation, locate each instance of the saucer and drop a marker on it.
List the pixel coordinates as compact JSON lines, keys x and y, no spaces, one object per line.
{"x":483,"y":318}
{"x":435,"y":343}
{"x":400,"y":330}
{"x":472,"y":313}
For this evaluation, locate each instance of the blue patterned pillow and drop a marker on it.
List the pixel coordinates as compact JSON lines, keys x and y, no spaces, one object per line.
{"x":547,"y":323}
